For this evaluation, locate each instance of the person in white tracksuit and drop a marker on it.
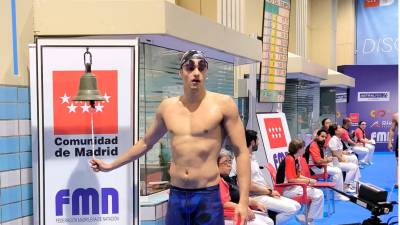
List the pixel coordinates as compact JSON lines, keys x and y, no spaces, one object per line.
{"x":359,"y":148}
{"x":261,"y":191}
{"x":346,"y":161}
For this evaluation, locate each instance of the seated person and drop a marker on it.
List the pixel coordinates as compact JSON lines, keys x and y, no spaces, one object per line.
{"x":260,"y":190}
{"x":357,"y":148}
{"x":326,"y":122}
{"x":314,"y":154}
{"x":291,"y":173}
{"x":346,"y":161}
{"x":254,"y":218}
{"x":361,"y":138}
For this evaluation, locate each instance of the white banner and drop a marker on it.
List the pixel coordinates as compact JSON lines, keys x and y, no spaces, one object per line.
{"x":275,"y":136}
{"x":341,"y":97}
{"x":70,"y":192}
{"x":383,"y":96}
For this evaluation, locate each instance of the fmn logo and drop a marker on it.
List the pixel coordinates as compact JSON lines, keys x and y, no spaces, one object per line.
{"x":81,"y":199}
{"x":74,"y":117}
{"x":275,"y":132}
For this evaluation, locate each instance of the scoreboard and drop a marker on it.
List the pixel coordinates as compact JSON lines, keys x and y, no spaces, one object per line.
{"x":274,"y":50}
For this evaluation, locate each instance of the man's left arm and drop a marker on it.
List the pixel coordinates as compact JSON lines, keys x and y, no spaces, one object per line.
{"x":235,"y":130}
{"x":392,"y":130}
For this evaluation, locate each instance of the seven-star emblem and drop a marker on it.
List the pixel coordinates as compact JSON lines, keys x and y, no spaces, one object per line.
{"x":85,"y":108}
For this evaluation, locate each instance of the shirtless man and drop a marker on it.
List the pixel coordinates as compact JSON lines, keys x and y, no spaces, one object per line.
{"x":198,"y":122}
{"x":392,"y":131}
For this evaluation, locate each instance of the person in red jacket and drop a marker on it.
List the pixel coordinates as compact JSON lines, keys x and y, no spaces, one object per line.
{"x":361,"y":138}
{"x":314,"y":155}
{"x":326,"y":123}
{"x":293,"y":175}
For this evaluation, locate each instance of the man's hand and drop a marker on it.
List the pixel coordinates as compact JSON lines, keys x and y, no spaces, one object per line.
{"x":99,"y":165}
{"x":346,"y":152}
{"x":342,"y":159}
{"x":390,"y":146}
{"x":250,"y":214}
{"x":260,"y":207}
{"x":275,"y":194}
{"x":313,"y":181}
{"x":241,"y":212}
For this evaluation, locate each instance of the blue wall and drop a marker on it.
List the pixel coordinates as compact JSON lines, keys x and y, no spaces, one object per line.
{"x":377,"y":113}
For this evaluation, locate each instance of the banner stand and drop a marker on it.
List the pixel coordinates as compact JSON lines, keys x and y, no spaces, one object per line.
{"x":66,"y":190}
{"x":275,"y":136}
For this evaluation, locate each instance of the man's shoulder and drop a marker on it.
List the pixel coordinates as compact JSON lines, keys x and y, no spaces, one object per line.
{"x":314,"y":145}
{"x":289,"y":159}
{"x":169,"y":101}
{"x":218,"y":96}
{"x":224,"y":102}
{"x":334,"y":140}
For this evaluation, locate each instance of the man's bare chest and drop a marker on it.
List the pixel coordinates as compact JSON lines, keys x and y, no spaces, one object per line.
{"x":201,"y":122}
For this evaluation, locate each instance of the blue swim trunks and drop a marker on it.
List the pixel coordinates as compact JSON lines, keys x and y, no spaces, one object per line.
{"x":195,"y":206}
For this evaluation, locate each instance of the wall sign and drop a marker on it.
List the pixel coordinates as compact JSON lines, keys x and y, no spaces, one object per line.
{"x":275,"y":135}
{"x":66,"y":190}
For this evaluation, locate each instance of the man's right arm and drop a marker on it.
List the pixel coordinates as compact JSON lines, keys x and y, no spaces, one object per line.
{"x":391,"y":134}
{"x":260,"y":189}
{"x":315,"y":155}
{"x":153,"y":134}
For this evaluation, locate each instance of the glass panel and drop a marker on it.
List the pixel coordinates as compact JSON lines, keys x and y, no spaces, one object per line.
{"x":301,"y":107}
{"x":341,"y":104}
{"x":159,"y":79}
{"x":328,"y":103}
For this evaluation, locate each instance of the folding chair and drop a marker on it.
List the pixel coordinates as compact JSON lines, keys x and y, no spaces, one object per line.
{"x":325,"y":185}
{"x":303,"y":199}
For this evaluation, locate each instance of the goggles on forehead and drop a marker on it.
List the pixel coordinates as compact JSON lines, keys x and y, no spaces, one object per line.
{"x":193,"y":54}
{"x":191,"y":65}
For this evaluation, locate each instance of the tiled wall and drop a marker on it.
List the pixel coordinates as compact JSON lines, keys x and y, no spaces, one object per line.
{"x":15,"y":157}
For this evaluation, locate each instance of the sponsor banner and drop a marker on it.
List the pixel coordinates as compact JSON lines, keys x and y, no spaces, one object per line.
{"x":341,"y":97}
{"x":383,"y":96}
{"x":377,"y":27}
{"x":355,"y":117}
{"x":275,"y":135}
{"x":367,"y":101}
{"x":71,"y":193}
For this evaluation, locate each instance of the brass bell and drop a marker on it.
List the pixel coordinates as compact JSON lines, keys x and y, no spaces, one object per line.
{"x":88,"y":84}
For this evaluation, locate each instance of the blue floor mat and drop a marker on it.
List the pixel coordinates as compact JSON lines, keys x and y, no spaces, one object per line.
{"x":382,"y":174}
